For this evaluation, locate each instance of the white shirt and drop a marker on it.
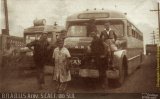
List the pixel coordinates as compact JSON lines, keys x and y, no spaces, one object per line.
{"x":107,"y":30}
{"x":60,"y":71}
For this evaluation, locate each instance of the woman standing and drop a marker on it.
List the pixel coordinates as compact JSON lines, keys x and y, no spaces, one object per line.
{"x":62,"y":74}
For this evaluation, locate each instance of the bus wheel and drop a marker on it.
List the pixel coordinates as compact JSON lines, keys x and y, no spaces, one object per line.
{"x":123,"y":74}
{"x":141,"y":58}
{"x":140,"y":61}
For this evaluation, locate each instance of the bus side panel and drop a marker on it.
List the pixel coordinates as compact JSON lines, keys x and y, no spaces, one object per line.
{"x":134,"y":48}
{"x":134,"y":51}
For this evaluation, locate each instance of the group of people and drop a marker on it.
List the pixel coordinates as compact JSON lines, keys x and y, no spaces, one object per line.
{"x":101,"y":47}
{"x":60,"y":58}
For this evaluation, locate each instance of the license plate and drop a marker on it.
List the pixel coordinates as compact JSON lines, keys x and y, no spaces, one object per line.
{"x":75,"y":61}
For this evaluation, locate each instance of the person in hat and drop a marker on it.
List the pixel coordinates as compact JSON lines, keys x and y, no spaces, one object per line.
{"x":91,"y":27}
{"x":97,"y":50}
{"x":39,"y":56}
{"x":109,"y":37}
{"x":63,"y":34}
{"x":62,"y":75}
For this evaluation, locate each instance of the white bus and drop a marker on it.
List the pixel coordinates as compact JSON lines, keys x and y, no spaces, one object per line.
{"x":129,"y":42}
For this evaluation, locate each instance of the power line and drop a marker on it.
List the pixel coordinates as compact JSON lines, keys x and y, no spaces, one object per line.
{"x":158,"y":17}
{"x":6,"y":17}
{"x":153,"y":37}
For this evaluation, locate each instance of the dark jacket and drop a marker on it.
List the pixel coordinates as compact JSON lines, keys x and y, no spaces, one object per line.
{"x":91,"y":28}
{"x":40,"y":51}
{"x":97,"y":47}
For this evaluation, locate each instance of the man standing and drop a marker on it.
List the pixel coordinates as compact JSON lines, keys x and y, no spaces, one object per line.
{"x":97,"y":50}
{"x":40,"y":57}
{"x":109,"y":38}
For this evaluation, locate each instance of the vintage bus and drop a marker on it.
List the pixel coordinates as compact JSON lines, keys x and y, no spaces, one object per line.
{"x":33,"y":33}
{"x":129,"y":42}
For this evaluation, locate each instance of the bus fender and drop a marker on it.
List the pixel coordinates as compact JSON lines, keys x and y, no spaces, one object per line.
{"x":114,"y":72}
{"x":118,"y":58}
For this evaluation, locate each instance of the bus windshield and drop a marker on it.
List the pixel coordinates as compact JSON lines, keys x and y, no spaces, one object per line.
{"x":79,"y":29}
{"x":35,"y":36}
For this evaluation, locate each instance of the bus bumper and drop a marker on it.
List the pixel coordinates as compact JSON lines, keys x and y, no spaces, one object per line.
{"x":113,"y":74}
{"x":92,"y":73}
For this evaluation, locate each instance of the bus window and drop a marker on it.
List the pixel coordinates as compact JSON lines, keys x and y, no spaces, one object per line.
{"x":133,"y":33}
{"x":137,"y":36}
{"x":141,"y":38}
{"x":30,"y":38}
{"x":77,"y":30}
{"x":80,"y":28}
{"x":118,"y":28}
{"x":129,"y":31}
{"x":36,"y":36}
{"x":49,"y":35}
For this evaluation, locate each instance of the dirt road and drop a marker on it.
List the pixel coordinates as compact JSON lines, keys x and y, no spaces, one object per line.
{"x":142,"y":80}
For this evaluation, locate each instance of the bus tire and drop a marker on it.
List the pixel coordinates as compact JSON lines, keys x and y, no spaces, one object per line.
{"x":141,"y":60}
{"x":123,"y":75}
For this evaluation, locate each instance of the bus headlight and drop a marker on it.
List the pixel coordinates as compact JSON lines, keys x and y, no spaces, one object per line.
{"x":88,"y":49}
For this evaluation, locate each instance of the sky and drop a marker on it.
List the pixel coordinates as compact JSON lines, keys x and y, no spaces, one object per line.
{"x":23,"y":12}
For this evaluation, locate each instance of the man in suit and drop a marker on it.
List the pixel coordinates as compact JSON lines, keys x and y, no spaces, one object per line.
{"x":108,"y":37}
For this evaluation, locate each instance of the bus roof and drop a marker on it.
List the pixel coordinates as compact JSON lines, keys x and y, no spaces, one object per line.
{"x":45,"y":28}
{"x":100,"y":14}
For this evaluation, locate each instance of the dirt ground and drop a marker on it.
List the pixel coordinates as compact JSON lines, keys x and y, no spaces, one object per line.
{"x":142,"y":80}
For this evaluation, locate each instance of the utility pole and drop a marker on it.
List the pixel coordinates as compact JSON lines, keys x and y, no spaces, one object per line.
{"x":158,"y":18}
{"x":6,"y":30}
{"x":153,"y":38}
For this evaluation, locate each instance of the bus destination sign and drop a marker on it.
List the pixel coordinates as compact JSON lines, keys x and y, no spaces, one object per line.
{"x":93,"y":15}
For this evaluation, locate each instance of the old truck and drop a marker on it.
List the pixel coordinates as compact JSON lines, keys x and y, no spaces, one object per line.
{"x":151,"y":49}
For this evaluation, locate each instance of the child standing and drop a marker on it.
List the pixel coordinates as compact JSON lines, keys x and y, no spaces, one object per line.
{"x":62,"y":74}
